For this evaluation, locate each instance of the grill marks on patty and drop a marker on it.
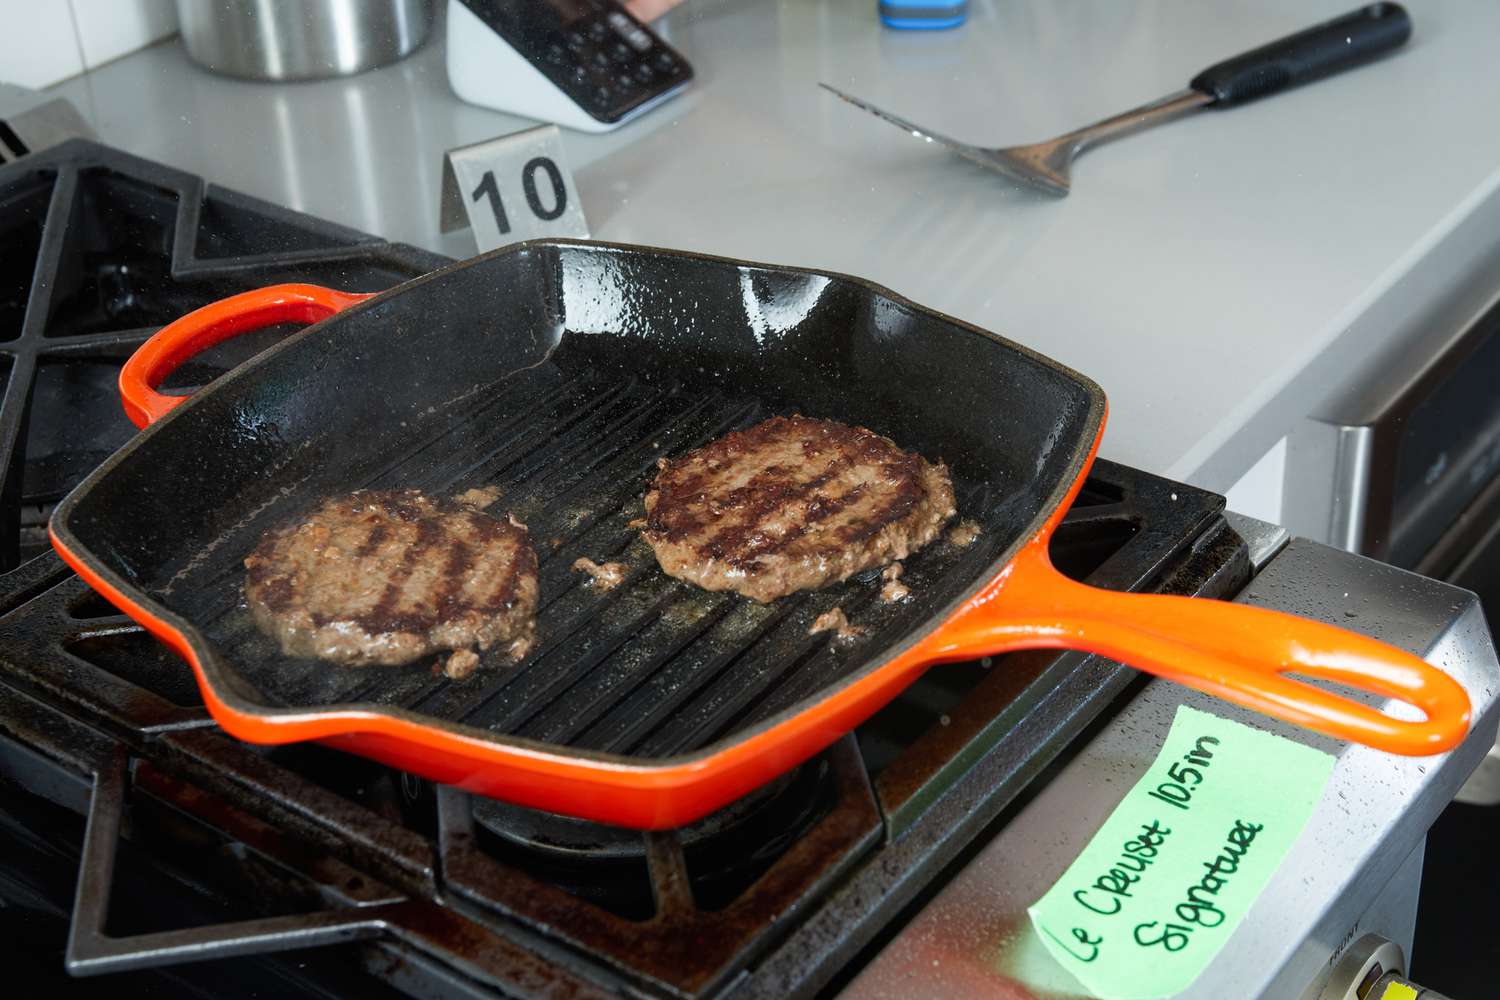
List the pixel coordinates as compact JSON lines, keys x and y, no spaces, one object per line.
{"x":790,"y":504}
{"x":385,"y":577}
{"x":793,"y":503}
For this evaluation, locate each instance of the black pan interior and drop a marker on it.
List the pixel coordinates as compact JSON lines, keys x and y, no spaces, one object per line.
{"x":560,"y":372}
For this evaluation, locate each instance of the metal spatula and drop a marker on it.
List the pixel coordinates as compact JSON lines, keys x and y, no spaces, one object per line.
{"x":1317,"y":52}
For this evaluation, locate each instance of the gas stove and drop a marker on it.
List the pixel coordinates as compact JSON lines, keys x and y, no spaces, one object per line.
{"x":206,"y":865}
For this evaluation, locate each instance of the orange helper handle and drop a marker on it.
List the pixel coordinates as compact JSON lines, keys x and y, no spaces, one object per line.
{"x":1232,"y":651}
{"x":202,"y":328}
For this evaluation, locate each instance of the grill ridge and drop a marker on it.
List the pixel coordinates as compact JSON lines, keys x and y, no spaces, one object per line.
{"x":652,"y":667}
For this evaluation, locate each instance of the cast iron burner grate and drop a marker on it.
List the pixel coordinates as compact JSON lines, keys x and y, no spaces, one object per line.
{"x":98,"y":250}
{"x":685,"y":913}
{"x":428,"y":889}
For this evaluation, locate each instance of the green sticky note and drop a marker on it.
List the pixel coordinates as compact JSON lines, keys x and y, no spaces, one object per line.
{"x":1172,"y":872}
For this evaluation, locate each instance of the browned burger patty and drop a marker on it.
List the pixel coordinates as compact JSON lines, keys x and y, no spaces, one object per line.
{"x":791,"y":504}
{"x":387,"y":577}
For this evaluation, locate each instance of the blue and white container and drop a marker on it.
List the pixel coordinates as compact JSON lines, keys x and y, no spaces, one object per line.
{"x":923,"y":15}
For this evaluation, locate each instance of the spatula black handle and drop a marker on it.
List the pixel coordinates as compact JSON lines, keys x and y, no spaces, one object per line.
{"x":1326,"y":48}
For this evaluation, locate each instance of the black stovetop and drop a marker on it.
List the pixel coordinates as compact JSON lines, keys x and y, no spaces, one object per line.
{"x":229,"y":848}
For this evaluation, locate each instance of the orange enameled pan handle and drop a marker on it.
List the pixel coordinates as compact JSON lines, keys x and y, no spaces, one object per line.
{"x":1232,"y":651}
{"x":218,"y":321}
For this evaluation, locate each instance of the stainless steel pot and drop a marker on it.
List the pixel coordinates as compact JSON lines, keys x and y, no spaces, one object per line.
{"x":301,"y":39}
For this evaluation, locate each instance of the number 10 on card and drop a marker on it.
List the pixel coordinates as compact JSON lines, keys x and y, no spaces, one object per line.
{"x":515,"y":187}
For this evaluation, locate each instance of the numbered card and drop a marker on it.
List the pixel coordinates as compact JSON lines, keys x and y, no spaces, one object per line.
{"x":516,"y":187}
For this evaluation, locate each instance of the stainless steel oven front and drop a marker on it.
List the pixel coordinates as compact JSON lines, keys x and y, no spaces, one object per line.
{"x":1406,"y":468}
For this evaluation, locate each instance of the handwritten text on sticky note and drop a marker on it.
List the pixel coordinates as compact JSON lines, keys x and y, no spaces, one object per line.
{"x":1169,"y":876}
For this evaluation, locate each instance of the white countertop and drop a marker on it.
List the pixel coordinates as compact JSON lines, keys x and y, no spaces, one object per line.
{"x":1210,"y":274}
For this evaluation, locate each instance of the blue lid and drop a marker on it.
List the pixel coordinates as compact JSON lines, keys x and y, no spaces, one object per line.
{"x":923,"y":15}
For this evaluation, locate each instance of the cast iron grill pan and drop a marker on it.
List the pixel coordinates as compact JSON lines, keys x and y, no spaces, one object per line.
{"x":560,"y":374}
{"x":655,"y":666}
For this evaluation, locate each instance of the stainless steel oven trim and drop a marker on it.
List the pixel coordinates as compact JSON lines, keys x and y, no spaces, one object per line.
{"x":1340,"y":478}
